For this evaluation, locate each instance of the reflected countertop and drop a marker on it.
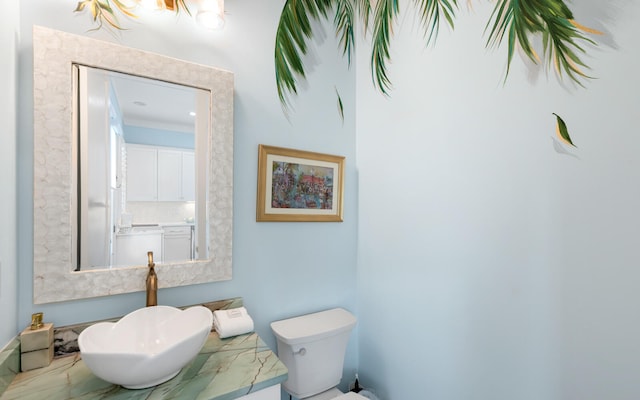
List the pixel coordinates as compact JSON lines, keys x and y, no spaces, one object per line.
{"x":137,"y":229}
{"x":177,"y":224}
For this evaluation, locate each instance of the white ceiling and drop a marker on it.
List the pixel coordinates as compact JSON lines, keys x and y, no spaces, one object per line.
{"x":154,"y":104}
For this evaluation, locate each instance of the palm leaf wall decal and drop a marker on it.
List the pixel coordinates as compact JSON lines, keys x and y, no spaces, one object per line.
{"x":384,"y":16}
{"x":347,"y":12}
{"x":562,"y":131}
{"x":431,"y":13}
{"x":182,"y":5}
{"x":519,"y":21}
{"x":344,"y":24}
{"x":294,"y":30}
{"x":340,"y":106}
{"x":102,"y":11}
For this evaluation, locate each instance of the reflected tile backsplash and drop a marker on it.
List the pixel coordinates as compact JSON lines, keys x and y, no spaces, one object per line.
{"x":153,"y":212}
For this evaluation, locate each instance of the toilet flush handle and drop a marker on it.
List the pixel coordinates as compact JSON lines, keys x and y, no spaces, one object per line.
{"x":302,"y":351}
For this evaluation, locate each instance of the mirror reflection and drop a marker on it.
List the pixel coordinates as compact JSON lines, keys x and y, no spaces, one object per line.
{"x":137,"y":155}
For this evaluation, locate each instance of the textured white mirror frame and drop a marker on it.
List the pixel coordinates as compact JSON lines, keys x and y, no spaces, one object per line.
{"x":54,"y":231}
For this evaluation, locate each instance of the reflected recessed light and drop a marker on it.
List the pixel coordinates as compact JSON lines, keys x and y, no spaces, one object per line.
{"x":192,"y":113}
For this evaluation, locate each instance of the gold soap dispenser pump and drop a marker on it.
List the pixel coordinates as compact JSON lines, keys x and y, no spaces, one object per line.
{"x":152,"y":282}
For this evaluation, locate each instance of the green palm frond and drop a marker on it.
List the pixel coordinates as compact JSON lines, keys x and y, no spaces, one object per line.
{"x":520,"y":20}
{"x":562,"y":132}
{"x":431,"y":13}
{"x":344,"y":23}
{"x":384,"y":16}
{"x":561,"y":48}
{"x":294,"y":30}
{"x":340,"y":105}
{"x":364,"y":11}
{"x":386,"y":11}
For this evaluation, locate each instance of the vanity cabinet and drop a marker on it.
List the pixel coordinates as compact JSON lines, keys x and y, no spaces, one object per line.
{"x":160,"y":174}
{"x":270,"y":393}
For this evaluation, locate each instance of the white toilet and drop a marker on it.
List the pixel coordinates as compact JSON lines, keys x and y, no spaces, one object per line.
{"x":312,"y":347}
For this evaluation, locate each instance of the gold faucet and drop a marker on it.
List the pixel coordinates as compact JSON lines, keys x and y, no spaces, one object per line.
{"x":152,"y":282}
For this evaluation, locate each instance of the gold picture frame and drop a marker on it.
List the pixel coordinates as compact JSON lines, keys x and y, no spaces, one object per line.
{"x":299,"y":186}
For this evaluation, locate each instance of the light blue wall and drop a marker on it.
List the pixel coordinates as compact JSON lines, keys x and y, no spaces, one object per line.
{"x":490,"y":264}
{"x":157,"y":137}
{"x":9,"y":34}
{"x":280,"y":269}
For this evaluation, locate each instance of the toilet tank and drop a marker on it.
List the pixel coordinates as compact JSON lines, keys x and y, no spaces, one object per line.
{"x":312,"y":347}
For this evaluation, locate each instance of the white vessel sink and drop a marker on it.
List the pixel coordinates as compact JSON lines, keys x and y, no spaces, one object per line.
{"x":147,"y":346}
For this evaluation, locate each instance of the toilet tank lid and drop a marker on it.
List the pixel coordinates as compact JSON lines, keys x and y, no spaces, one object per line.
{"x":314,"y":326}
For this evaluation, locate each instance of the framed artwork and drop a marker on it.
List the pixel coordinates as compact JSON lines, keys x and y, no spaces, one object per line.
{"x":299,"y":186}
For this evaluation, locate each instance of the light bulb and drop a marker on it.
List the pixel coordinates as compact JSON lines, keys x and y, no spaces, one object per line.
{"x":211,"y":14}
{"x":209,"y":19}
{"x":153,"y":5}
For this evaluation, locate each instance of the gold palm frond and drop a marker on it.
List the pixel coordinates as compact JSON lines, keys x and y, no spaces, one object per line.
{"x":181,"y":5}
{"x":104,"y":10}
{"x":101,"y":11}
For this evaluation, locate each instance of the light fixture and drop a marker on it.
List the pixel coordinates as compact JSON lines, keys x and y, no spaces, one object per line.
{"x":208,"y":13}
{"x":152,"y":4}
{"x":211,"y":14}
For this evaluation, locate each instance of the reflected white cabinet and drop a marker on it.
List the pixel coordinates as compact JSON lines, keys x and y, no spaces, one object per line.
{"x":177,"y":243}
{"x":169,"y":175}
{"x":142,"y":173}
{"x":188,"y":176}
{"x":176,"y":175}
{"x":132,"y":247}
{"x":160,"y":174}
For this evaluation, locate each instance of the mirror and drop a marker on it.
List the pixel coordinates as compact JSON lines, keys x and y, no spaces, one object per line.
{"x":137,"y":169}
{"x":64,"y":267}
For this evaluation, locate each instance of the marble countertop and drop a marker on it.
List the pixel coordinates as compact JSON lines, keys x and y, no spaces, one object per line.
{"x":225,"y":369}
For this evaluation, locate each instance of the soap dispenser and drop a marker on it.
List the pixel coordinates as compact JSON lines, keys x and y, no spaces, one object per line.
{"x":36,"y":344}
